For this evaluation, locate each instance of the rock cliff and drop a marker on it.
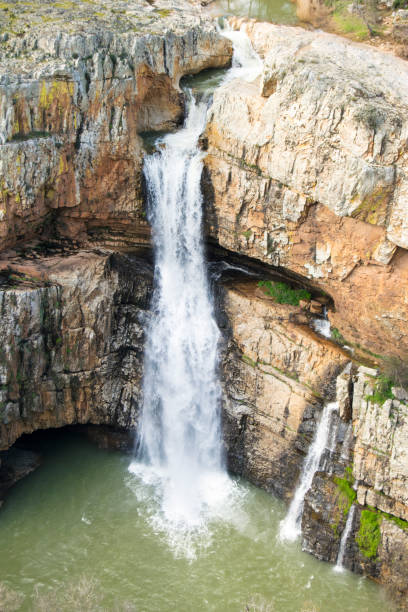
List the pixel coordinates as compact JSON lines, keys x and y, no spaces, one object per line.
{"x":312,"y":185}
{"x":314,"y":179}
{"x":71,"y":334}
{"x":78,"y":83}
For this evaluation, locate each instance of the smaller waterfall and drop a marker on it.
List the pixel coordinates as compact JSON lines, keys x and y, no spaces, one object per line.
{"x":246,"y":63}
{"x":344,"y":537}
{"x":290,"y":527}
{"x":322,"y":326}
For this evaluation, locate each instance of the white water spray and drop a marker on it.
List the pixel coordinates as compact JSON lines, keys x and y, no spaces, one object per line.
{"x":180,"y":446}
{"x":344,"y":538}
{"x":290,"y":527}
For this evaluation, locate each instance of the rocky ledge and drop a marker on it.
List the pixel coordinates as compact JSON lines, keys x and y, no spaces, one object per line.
{"x":71,"y":333}
{"x":315,"y":178}
{"x":79,"y":82}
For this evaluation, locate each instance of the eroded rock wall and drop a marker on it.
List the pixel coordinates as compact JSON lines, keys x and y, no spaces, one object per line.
{"x":307,"y":170}
{"x":277,"y":374}
{"x":71,"y":341}
{"x":368,"y":471}
{"x":75,"y":93}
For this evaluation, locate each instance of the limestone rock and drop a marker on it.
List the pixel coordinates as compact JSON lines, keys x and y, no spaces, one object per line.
{"x":381,"y":449}
{"x":77,"y":87}
{"x":316,"y":172}
{"x":72,"y":346}
{"x":275,"y":373}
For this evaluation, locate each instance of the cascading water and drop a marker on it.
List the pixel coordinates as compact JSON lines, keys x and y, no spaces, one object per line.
{"x":180,"y":439}
{"x":344,"y":537}
{"x":290,"y":527}
{"x":180,"y":432}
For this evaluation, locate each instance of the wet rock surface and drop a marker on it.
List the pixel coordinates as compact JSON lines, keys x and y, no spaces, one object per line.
{"x":15,"y":463}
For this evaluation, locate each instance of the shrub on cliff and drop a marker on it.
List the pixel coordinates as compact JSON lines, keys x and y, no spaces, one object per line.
{"x":283,"y":294}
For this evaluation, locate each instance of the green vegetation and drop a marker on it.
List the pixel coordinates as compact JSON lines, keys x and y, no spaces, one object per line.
{"x":35,"y":134}
{"x":164,"y":12}
{"x":382,"y":390}
{"x":283,"y":294}
{"x":337,"y":336}
{"x":249,"y":361}
{"x":370,"y":116}
{"x":348,"y":23}
{"x":347,"y":495}
{"x":369,"y":535}
{"x":395,"y":519}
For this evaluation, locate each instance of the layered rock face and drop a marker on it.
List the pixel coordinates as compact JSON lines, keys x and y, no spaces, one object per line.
{"x":277,"y":373}
{"x":307,"y":170}
{"x":375,"y":465}
{"x":76,"y":90}
{"x":71,"y":341}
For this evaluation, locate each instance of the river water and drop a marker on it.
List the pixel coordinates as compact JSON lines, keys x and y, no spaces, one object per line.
{"x":81,"y":514}
{"x":277,"y":11}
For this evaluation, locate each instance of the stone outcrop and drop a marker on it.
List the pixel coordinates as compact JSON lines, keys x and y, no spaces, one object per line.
{"x":314,"y":178}
{"x":372,"y":476}
{"x":77,"y":87}
{"x":15,"y":463}
{"x":277,"y":373}
{"x":71,"y":341}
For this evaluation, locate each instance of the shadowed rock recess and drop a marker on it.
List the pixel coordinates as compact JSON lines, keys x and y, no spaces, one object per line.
{"x":305,"y":183}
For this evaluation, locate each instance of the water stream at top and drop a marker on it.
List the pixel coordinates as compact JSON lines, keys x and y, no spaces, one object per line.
{"x":180,"y":441}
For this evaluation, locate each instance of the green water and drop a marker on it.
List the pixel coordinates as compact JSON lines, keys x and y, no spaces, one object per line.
{"x":277,"y":11}
{"x":81,"y":514}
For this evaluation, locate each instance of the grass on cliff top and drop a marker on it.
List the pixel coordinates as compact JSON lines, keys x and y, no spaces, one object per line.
{"x":382,"y":390}
{"x":283,"y":294}
{"x":347,"y":23}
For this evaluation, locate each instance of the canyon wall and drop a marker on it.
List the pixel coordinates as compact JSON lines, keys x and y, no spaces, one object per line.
{"x":71,"y":341}
{"x":77,"y":87}
{"x":306,"y":170}
{"x":305,"y":174}
{"x":314,"y":178}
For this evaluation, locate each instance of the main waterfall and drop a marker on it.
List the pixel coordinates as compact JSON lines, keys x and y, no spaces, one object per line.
{"x":180,"y":446}
{"x":180,"y":429}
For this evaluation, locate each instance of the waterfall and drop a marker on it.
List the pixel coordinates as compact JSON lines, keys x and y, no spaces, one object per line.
{"x":180,"y":429}
{"x":344,"y":537}
{"x":322,"y":324}
{"x":246,"y":63}
{"x":180,"y":446}
{"x":290,"y":527}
